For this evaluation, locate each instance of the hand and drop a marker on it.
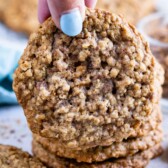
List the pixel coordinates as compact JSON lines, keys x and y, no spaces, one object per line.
{"x":68,"y":15}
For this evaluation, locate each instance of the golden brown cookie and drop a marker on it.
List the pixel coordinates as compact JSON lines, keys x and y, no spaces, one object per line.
{"x":98,"y":154}
{"x":11,"y":157}
{"x":132,"y":10}
{"x":139,"y":160}
{"x":20,"y":15}
{"x":97,"y":87}
{"x":147,"y":131}
{"x":151,"y":123}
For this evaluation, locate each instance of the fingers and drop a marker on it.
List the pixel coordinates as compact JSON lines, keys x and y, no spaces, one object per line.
{"x":43,"y":10}
{"x":90,"y":3}
{"x":68,"y":15}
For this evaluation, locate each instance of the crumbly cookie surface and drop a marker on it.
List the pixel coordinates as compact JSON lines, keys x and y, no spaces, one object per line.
{"x":145,"y":134}
{"x":11,"y":157}
{"x":88,"y":89}
{"x":122,"y":149}
{"x":20,"y":15}
{"x":139,"y":160}
{"x":133,"y":10}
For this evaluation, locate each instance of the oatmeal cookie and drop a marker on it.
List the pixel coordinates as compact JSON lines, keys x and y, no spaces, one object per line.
{"x":139,"y":160}
{"x":98,"y":154}
{"x":11,"y":157}
{"x":20,"y":15}
{"x":94,"y":88}
{"x":151,"y":124}
{"x":133,"y":10}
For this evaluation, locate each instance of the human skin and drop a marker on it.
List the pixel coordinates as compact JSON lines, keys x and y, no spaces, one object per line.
{"x":68,"y":15}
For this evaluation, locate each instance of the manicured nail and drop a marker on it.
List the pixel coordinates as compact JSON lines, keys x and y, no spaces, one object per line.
{"x":71,"y":22}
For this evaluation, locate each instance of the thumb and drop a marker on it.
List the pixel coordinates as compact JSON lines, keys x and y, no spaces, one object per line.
{"x":68,"y":15}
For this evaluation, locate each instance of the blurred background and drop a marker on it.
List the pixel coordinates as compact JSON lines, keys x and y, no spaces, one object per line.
{"x":18,"y":19}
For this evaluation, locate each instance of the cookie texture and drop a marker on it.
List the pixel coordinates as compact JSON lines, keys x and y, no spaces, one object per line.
{"x":11,"y":157}
{"x":139,"y":160}
{"x":148,"y":134}
{"x":97,"y":87}
{"x":132,"y":10}
{"x":19,"y":15}
{"x":99,"y":153}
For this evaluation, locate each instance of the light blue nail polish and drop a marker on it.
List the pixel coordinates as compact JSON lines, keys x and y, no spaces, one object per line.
{"x":71,"y":23}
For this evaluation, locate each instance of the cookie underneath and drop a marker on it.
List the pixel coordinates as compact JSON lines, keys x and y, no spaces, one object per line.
{"x":11,"y":157}
{"x":116,"y":150}
{"x":139,"y":160}
{"x":150,"y":133}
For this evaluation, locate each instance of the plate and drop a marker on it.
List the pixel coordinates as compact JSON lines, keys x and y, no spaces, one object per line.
{"x":13,"y":128}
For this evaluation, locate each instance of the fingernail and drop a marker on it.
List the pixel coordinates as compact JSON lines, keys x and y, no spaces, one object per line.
{"x":71,"y":22}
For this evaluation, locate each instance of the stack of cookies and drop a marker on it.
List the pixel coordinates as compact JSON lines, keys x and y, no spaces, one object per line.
{"x":91,"y":101}
{"x":12,"y":157}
